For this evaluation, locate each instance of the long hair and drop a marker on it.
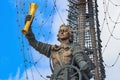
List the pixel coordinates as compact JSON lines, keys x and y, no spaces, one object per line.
{"x":70,"y":31}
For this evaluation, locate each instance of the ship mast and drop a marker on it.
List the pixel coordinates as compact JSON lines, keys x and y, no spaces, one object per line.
{"x":83,"y":18}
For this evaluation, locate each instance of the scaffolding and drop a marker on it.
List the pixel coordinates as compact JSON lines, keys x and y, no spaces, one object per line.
{"x":83,"y":19}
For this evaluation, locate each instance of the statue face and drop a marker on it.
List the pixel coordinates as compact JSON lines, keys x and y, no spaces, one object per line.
{"x":63,"y":33}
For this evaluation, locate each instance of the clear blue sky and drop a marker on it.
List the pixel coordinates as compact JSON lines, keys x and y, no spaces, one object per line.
{"x":10,"y":55}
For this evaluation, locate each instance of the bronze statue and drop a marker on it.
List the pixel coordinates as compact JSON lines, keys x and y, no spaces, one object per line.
{"x":67,"y":53}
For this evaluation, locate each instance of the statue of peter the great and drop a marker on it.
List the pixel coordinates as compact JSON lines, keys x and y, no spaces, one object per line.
{"x":61,"y":55}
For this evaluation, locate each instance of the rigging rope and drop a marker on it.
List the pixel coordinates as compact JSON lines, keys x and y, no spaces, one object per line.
{"x":54,"y":1}
{"x":35,"y":65}
{"x":106,"y":14}
{"x":111,"y":34}
{"x":30,"y":54}
{"x":110,"y":31}
{"x":109,"y":66}
{"x":117,"y":5}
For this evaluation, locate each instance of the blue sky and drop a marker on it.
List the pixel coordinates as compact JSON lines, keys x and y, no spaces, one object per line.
{"x":11,"y":59}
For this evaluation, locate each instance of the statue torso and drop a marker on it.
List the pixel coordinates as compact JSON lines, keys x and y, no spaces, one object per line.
{"x":61,"y":55}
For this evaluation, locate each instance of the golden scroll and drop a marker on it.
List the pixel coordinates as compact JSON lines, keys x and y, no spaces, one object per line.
{"x":33,"y":7}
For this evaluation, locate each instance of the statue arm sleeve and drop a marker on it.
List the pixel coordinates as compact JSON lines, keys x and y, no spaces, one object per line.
{"x":79,"y":58}
{"x":78,"y":54}
{"x":39,"y":46}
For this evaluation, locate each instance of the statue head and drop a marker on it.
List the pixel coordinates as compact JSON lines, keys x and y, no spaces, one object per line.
{"x":65,"y":33}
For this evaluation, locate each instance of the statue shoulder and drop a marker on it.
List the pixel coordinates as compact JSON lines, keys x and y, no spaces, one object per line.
{"x":55,"y":47}
{"x":75,"y":45}
{"x":76,"y":48}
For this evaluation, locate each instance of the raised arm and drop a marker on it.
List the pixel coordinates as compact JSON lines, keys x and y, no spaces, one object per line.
{"x":39,"y":46}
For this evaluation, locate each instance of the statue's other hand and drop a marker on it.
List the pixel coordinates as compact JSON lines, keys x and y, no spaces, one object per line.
{"x":83,"y":65}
